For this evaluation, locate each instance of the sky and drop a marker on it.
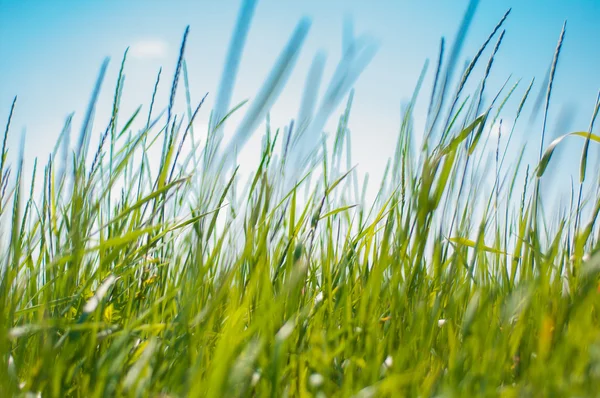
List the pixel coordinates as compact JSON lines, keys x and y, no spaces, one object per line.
{"x":51,"y":51}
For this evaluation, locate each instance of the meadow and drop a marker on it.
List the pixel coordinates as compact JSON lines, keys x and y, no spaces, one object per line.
{"x":125,"y":274}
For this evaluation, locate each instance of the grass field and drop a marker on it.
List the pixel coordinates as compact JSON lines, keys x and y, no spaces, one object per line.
{"x":126,"y":276}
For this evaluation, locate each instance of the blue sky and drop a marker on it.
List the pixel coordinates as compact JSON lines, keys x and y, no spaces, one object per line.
{"x":51,"y":51}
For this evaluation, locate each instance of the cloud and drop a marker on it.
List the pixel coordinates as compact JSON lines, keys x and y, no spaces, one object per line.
{"x":149,"y":49}
{"x":501,"y":127}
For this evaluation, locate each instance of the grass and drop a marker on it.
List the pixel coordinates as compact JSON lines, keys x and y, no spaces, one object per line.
{"x":123,"y":276}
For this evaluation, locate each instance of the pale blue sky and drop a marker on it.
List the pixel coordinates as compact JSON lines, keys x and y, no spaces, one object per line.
{"x":50,"y":53}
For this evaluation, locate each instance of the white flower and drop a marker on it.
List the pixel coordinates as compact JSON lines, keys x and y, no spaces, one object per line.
{"x":388,"y":361}
{"x":441,"y":322}
{"x":584,"y":258}
{"x":255,"y":378}
{"x":316,"y":380}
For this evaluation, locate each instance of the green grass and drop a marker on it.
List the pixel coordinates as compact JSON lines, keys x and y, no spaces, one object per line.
{"x":126,"y":276}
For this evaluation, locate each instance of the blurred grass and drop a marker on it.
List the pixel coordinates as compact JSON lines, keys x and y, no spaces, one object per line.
{"x":123,"y":277}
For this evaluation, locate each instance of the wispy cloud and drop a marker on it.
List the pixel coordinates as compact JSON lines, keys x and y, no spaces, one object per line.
{"x":149,"y":48}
